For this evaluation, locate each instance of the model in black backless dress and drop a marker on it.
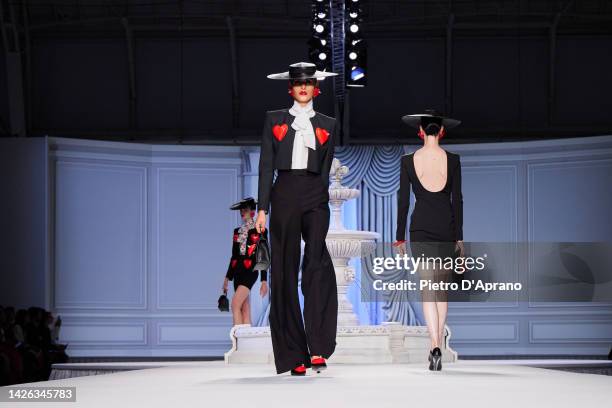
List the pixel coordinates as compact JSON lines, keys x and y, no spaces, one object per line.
{"x":436,"y":224}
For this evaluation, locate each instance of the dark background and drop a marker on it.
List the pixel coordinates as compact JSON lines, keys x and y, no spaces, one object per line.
{"x":162,"y":71}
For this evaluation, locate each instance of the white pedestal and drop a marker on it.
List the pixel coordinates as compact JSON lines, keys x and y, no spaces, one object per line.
{"x":387,"y":343}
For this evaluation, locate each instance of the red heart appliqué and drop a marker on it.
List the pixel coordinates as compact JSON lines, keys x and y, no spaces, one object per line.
{"x":322,"y":135}
{"x":247,"y":263}
{"x":254,"y":237}
{"x":280,"y":131}
{"x":251,"y":249}
{"x":234,"y":261}
{"x":235,"y":237}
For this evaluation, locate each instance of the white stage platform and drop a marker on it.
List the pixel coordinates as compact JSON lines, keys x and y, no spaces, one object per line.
{"x":215,"y":384}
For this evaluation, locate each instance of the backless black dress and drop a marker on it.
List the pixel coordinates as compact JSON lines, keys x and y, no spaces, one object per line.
{"x":437,"y":220}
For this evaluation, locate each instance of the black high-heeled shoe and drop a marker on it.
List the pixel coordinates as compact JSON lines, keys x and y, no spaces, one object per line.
{"x":435,"y":359}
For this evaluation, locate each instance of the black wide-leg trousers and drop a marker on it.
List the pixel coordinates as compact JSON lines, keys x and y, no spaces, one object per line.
{"x":299,"y":208}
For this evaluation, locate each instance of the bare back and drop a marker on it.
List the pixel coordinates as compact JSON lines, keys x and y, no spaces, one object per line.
{"x":430,"y":168}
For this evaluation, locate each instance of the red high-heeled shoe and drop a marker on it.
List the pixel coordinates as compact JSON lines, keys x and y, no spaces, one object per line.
{"x":318,"y":364}
{"x":299,"y":370}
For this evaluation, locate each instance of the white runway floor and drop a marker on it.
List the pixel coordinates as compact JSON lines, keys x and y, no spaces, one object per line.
{"x":214,"y":384}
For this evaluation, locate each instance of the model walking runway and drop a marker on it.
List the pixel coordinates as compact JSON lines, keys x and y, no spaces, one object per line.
{"x":299,"y":144}
{"x":436,"y":224}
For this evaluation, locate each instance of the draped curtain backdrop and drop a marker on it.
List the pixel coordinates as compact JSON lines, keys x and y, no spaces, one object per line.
{"x":374,"y":170}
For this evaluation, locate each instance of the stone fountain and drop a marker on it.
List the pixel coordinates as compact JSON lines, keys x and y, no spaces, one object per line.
{"x":390,"y":342}
{"x":343,"y":244}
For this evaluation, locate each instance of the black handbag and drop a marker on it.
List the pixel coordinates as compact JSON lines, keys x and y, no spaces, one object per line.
{"x":262,"y":254}
{"x":223,"y":302}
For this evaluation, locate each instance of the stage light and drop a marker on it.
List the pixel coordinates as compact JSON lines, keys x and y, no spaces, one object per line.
{"x":319,"y":51}
{"x":355,"y":46}
{"x":321,"y":11}
{"x":357,"y":74}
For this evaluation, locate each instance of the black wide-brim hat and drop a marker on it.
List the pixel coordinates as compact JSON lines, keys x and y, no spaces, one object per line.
{"x":302,"y":70}
{"x":248,"y":202}
{"x":430,"y":116}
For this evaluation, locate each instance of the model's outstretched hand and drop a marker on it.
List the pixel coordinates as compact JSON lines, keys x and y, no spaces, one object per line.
{"x":263,"y":290}
{"x":400,"y":247}
{"x":260,"y":223}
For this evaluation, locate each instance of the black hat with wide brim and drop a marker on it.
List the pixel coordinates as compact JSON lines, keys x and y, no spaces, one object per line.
{"x":248,"y":202}
{"x":430,"y":116}
{"x":302,"y":70}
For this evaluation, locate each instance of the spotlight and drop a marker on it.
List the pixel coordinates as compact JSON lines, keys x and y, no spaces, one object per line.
{"x":355,"y":46}
{"x":319,"y":51}
{"x":357,"y":73}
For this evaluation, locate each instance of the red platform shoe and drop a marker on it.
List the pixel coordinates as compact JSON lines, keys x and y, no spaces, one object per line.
{"x":299,"y":370}
{"x":318,"y":364}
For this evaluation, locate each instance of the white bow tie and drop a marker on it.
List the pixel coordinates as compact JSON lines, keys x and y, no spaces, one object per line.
{"x":302,"y":124}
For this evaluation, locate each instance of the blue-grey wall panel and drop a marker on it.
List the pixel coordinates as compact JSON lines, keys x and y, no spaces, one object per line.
{"x":194,"y":228}
{"x":100,"y":235}
{"x":570,"y":200}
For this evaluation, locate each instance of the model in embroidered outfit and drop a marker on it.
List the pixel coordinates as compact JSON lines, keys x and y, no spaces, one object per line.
{"x":436,"y":224}
{"x":299,"y":144}
{"x":241,"y":265}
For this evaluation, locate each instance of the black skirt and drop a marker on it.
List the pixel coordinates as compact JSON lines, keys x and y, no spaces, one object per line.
{"x":244,"y":274}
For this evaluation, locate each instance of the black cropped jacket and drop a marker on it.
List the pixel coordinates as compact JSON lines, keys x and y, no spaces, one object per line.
{"x":277,"y":149}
